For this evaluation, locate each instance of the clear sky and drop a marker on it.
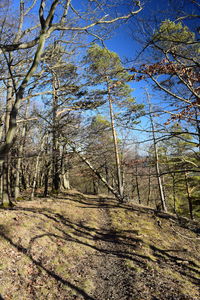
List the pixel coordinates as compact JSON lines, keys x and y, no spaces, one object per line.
{"x":125,"y":42}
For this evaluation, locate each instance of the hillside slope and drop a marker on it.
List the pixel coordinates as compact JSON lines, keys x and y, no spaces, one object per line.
{"x":85,"y":247}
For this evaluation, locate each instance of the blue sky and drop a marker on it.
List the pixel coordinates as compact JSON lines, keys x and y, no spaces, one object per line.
{"x":123,"y":40}
{"x":126,"y":46}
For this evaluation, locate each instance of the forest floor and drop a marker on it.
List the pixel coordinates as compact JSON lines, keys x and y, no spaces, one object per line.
{"x":79,"y":247}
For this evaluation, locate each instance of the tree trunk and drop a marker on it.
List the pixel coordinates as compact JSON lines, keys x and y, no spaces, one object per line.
{"x":64,"y":174}
{"x":137,"y":184}
{"x":55,"y":143}
{"x":107,"y":175}
{"x":2,"y":120}
{"x":35,"y":177}
{"x":46,"y":180}
{"x":18,"y":165}
{"x":160,"y":186}
{"x":85,"y":160}
{"x":37,"y":169}
{"x":149,"y":187}
{"x":23,"y":180}
{"x":189,"y":196}
{"x":65,"y":180}
{"x":5,"y":147}
{"x":197,"y":111}
{"x":95,"y":186}
{"x":174,"y":193}
{"x":1,"y":185}
{"x":116,"y":148}
{"x":6,"y":201}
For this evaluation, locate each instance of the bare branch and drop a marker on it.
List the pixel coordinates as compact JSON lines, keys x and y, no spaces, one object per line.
{"x":18,"y":46}
{"x":21,"y":20}
{"x":49,"y":27}
{"x":49,"y":18}
{"x":168,"y":91}
{"x":100,"y":21}
{"x":26,"y":120}
{"x":29,"y":30}
{"x":65,"y":11}
{"x":29,"y":9}
{"x":41,"y":14}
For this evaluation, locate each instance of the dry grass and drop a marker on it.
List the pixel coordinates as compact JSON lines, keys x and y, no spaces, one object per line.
{"x":43,"y":247}
{"x":169,"y":255}
{"x":49,"y":249}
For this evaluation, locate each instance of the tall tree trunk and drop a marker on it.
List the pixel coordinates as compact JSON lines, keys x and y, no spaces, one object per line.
{"x":18,"y":164}
{"x":160,"y":186}
{"x":197,"y":110}
{"x":64,"y":174}
{"x":5,"y":147}
{"x":47,"y":170}
{"x":149,"y":187}
{"x":55,"y":134}
{"x":107,"y":174}
{"x":188,"y":196}
{"x":137,"y":184}
{"x":2,"y":120}
{"x":95,"y":186}
{"x":132,"y":185}
{"x":6,"y":201}
{"x":37,"y":168}
{"x":11,"y":120}
{"x":23,"y":178}
{"x":5,"y":193}
{"x":116,"y":148}
{"x":46,"y":182}
{"x":35,"y":177}
{"x":174,"y":192}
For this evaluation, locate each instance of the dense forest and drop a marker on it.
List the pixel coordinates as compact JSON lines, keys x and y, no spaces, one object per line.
{"x":99,"y":150}
{"x":69,"y":117}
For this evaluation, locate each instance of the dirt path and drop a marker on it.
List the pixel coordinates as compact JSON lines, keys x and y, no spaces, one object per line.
{"x":113,"y":278}
{"x":76,"y":247}
{"x":126,"y":270}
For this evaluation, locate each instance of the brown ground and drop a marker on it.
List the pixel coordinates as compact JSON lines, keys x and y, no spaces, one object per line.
{"x":86,"y":247}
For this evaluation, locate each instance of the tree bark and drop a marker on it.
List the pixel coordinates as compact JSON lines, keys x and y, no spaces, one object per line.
{"x":64,"y":176}
{"x":149,"y":187}
{"x":6,"y":201}
{"x":37,"y":168}
{"x":55,"y":134}
{"x":189,"y":196}
{"x":160,"y":186}
{"x":18,"y":164}
{"x":174,"y":193}
{"x":116,"y":148}
{"x":137,"y":184}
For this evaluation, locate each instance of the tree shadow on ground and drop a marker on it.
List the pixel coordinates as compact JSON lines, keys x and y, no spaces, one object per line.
{"x":51,"y":273}
{"x":91,"y":202}
{"x":105,"y":241}
{"x":82,"y":231}
{"x":184,"y":267}
{"x":126,"y":245}
{"x":109,"y":202}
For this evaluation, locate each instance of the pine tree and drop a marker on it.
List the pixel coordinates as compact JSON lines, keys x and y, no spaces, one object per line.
{"x":105,"y":70}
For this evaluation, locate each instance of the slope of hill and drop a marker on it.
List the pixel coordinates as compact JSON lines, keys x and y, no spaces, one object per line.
{"x":86,"y":247}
